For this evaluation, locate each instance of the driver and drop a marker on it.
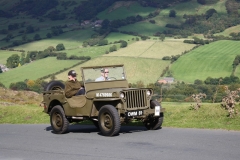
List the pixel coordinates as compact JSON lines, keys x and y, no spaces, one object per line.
{"x":104,"y":75}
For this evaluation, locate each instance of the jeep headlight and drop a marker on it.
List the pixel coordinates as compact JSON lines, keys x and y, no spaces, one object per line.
{"x":148,"y":93}
{"x":122,"y":95}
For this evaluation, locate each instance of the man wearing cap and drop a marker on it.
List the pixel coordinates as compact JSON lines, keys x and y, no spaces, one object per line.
{"x":73,"y":87}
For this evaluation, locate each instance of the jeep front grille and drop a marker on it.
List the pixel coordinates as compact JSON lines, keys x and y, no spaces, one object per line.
{"x":136,"y":99}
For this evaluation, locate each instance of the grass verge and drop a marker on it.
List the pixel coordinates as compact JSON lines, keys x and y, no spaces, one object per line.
{"x":179,"y":115}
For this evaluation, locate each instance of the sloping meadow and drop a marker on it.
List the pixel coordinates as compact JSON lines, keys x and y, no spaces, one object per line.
{"x":213,"y":60}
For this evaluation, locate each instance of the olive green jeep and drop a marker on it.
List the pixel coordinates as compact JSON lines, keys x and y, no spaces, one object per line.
{"x":108,"y":103}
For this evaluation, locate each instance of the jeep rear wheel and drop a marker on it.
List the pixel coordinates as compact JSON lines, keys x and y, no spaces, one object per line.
{"x":108,"y":120}
{"x":58,"y":120}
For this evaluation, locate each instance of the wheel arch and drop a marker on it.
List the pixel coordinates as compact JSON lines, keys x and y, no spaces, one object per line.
{"x":54,"y":103}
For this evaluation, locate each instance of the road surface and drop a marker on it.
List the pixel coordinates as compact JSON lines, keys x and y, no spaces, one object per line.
{"x":37,"y":142}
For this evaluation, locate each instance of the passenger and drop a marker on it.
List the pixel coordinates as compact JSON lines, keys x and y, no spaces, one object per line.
{"x":73,"y":87}
{"x":104,"y":75}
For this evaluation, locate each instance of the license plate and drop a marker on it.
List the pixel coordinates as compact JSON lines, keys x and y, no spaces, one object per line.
{"x":134,"y":113}
{"x":157,"y":110}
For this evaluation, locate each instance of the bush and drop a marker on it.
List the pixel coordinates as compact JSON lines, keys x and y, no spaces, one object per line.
{"x":152,"y":21}
{"x":60,"y":47}
{"x":2,"y":85}
{"x":172,"y":13}
{"x":18,"y":86}
{"x":123,"y":44}
{"x":113,"y":48}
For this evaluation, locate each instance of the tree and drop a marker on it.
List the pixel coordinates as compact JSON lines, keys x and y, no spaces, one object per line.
{"x":27,"y":59}
{"x":29,"y":29}
{"x":13,"y":61}
{"x":172,"y":13}
{"x":123,"y":44}
{"x":60,"y":47}
{"x":103,"y":42}
{"x":24,"y":37}
{"x":232,"y":7}
{"x":62,"y":56}
{"x":162,"y":37}
{"x":202,"y":2}
{"x":198,"y":82}
{"x":49,"y":35}
{"x":37,"y":37}
{"x":210,"y":12}
{"x":113,"y":48}
{"x":105,"y":24}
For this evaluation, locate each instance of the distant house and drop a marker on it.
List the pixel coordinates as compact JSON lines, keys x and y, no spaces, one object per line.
{"x":98,"y":22}
{"x":86,"y":22}
{"x":166,"y":80}
{"x":4,"y":68}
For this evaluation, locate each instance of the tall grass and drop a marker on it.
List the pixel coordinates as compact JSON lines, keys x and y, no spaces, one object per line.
{"x":212,"y":60}
{"x":30,"y":114}
{"x":209,"y":116}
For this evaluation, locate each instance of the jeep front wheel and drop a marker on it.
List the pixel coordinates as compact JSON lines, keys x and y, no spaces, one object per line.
{"x":108,"y":120}
{"x":154,"y":123}
{"x":58,"y":120}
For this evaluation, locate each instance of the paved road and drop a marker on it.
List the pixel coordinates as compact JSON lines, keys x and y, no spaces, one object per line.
{"x":37,"y":142}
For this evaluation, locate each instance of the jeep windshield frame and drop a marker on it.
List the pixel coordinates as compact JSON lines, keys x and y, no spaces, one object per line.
{"x":117,"y":78}
{"x":115,"y":73}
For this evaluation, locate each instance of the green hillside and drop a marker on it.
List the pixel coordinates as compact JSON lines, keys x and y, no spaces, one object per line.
{"x":140,"y":69}
{"x":213,"y":60}
{"x":121,"y":10}
{"x":35,"y":70}
{"x":153,"y":49}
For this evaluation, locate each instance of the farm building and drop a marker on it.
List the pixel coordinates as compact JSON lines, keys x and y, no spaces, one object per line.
{"x":166,"y":80}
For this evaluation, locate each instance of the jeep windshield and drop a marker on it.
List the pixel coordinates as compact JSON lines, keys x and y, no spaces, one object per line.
{"x":103,"y":73}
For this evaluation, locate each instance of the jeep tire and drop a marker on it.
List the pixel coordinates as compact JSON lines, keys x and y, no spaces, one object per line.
{"x":153,"y":123}
{"x":54,"y":85}
{"x":58,"y":120}
{"x":109,"y":121}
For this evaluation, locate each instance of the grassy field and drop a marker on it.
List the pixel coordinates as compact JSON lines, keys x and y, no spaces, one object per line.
{"x":71,"y":40}
{"x":35,"y":70}
{"x":152,"y":49}
{"x":5,"y":54}
{"x":192,"y":7}
{"x":116,"y":36}
{"x":209,"y":116}
{"x":121,"y":10}
{"x":143,"y":28}
{"x":234,"y":29}
{"x":214,"y":60}
{"x":137,"y":69}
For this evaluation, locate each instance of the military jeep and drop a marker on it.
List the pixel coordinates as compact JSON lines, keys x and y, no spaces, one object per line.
{"x":108,"y":103}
